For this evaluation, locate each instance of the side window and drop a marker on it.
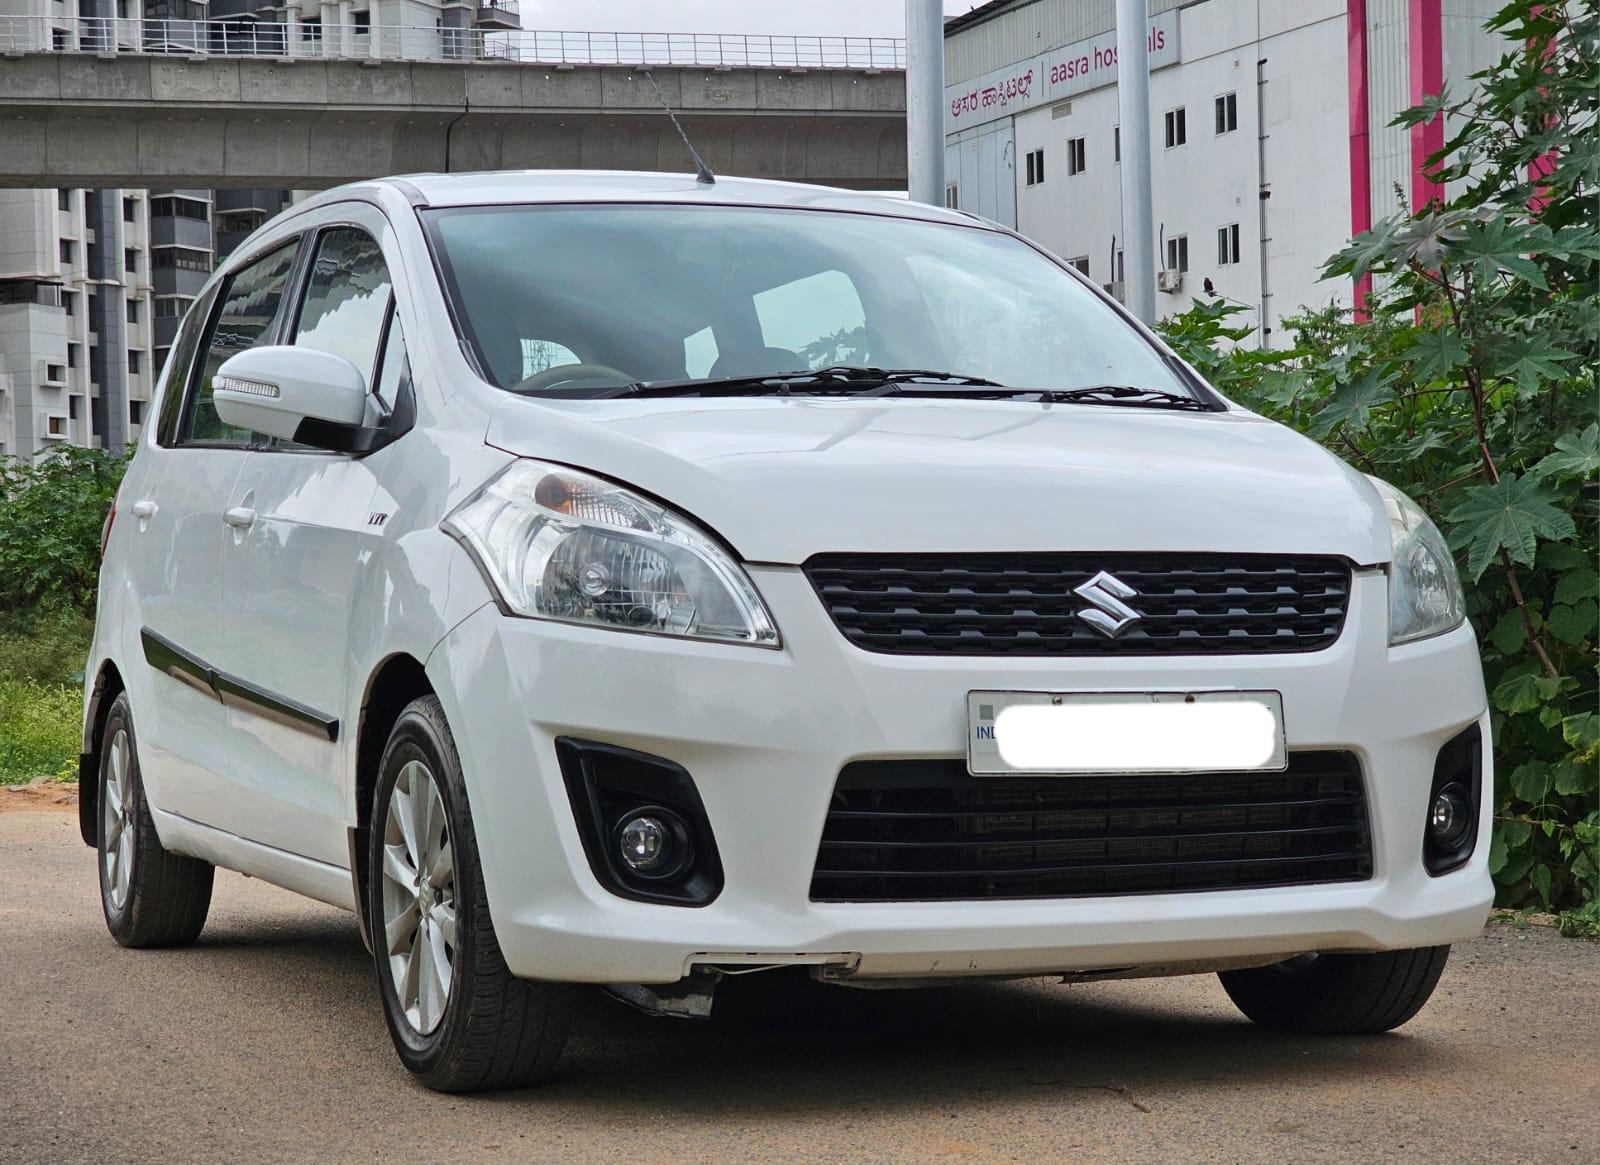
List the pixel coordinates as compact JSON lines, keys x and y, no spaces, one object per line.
{"x":179,"y":365}
{"x":392,"y":369}
{"x":818,"y":317}
{"x":347,"y":297}
{"x":249,"y":307}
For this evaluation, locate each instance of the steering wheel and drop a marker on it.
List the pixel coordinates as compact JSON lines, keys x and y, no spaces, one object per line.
{"x":562,"y":373}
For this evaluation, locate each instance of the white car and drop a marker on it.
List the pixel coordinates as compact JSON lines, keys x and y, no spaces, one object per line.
{"x":622,"y":579}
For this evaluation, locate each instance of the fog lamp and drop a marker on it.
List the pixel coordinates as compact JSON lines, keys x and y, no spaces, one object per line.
{"x":1450,"y":816}
{"x":653,"y":842}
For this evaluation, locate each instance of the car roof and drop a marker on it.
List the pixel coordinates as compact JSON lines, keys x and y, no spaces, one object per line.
{"x":503,"y":187}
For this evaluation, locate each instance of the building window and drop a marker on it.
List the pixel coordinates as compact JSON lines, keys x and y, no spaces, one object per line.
{"x":181,"y":259}
{"x":1227,"y":113}
{"x":1080,"y":264}
{"x":311,"y":30}
{"x":133,"y":311}
{"x":135,"y":361}
{"x":130,"y":209}
{"x":58,"y":39}
{"x":1077,"y":156}
{"x":72,"y":408}
{"x":64,"y":200}
{"x":1228,"y":245}
{"x":130,"y":260}
{"x":1177,"y":127}
{"x":1035,"y":167}
{"x":363,"y":22}
{"x":56,"y":427}
{"x":72,"y":355}
{"x":69,"y":302}
{"x":136,"y":412}
{"x":171,"y":307}
{"x":1117,"y":266}
{"x":170,"y":207}
{"x":67,"y":250}
{"x":1178,"y":253}
{"x":1116,"y":143}
{"x":55,"y":373}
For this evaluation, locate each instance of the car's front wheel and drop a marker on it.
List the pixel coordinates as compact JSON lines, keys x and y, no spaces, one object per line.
{"x":151,"y":898}
{"x":1338,"y":994}
{"x":460,"y":1020}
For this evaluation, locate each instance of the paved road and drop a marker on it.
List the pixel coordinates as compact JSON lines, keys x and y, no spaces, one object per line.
{"x":264,"y":1043}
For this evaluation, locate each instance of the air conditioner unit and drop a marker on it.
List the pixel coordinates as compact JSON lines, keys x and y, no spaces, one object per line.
{"x":1117,"y":290}
{"x":1170,"y":280}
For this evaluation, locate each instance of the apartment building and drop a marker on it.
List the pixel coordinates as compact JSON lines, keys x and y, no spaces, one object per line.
{"x":94,"y":283}
{"x":1270,"y":137}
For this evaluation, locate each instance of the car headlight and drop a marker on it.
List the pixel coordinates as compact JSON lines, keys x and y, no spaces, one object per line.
{"x":557,"y":543}
{"x":1424,"y":589}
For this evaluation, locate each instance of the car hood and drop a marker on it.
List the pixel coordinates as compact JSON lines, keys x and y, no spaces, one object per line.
{"x":781,"y":479}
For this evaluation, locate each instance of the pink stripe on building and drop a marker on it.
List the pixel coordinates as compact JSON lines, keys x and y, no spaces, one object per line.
{"x":1425,"y":34}
{"x":1360,"y":148}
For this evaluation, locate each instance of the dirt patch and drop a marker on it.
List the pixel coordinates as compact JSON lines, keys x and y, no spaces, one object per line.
{"x":42,"y":793}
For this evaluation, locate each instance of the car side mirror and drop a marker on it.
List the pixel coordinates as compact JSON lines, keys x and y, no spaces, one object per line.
{"x":296,"y":394}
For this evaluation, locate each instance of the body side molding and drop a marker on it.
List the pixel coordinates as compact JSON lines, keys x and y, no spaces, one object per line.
{"x":231,"y":691}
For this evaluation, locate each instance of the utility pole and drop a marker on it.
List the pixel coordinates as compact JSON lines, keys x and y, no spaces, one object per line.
{"x":1138,"y":208}
{"x":925,"y":100}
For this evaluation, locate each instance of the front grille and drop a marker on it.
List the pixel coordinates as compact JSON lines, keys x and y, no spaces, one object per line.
{"x":927,"y":829}
{"x":1025,"y":604}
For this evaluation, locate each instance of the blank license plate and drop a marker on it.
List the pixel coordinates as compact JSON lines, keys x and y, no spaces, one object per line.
{"x":1124,"y":732}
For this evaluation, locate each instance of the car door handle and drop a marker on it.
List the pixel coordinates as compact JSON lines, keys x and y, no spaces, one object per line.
{"x":145,"y":509}
{"x":240,"y":517}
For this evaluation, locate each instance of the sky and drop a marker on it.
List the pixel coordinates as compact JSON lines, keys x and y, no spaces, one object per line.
{"x":777,"y":17}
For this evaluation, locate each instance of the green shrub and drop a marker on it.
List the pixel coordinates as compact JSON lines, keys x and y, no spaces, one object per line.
{"x":52,"y":511}
{"x":1474,"y":388}
{"x":45,"y":646}
{"x":39,"y":730}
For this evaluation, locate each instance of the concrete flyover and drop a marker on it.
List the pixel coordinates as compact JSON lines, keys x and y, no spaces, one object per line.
{"x":128,"y":119}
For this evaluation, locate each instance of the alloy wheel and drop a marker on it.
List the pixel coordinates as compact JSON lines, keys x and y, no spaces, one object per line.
{"x":419,"y":899}
{"x":117,"y":823}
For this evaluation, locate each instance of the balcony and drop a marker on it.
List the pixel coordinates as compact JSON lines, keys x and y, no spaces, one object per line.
{"x":498,"y":14}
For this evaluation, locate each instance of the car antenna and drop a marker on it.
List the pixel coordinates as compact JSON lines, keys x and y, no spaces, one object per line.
{"x":702,"y":172}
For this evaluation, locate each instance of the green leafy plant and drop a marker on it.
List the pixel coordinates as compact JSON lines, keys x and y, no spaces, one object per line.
{"x":52,"y":511}
{"x":39,"y":730}
{"x":1473,"y":386}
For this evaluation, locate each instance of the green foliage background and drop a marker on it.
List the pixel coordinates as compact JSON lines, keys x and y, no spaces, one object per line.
{"x":51,"y":514}
{"x":1473,"y":386}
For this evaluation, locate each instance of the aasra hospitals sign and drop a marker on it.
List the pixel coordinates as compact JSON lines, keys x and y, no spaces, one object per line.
{"x":1052,"y":76}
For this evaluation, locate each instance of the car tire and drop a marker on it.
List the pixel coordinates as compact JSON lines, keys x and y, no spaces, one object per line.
{"x":431,"y":928}
{"x":1338,"y":994}
{"x":151,"y":898}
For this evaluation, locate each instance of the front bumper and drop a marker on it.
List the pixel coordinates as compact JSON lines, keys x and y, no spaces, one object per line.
{"x":765,"y":733}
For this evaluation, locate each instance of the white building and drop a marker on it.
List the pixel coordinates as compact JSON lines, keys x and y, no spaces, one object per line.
{"x":1270,"y":134}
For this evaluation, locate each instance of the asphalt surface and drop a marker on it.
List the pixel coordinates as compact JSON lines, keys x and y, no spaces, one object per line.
{"x":264,"y":1042}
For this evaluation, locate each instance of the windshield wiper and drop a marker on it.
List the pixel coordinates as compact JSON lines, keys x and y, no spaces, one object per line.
{"x":834,"y":379}
{"x":1125,"y":394}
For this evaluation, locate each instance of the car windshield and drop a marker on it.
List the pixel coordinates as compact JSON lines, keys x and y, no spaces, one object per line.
{"x":588,"y":299}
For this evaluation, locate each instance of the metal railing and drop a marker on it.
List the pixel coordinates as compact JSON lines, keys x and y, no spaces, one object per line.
{"x":241,"y":37}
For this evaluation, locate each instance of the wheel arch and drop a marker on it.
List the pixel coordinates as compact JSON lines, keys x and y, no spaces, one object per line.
{"x":108,"y":684}
{"x":394,"y":683}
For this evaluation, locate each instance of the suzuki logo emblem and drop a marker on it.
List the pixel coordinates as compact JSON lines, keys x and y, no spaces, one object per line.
{"x":1108,"y":615}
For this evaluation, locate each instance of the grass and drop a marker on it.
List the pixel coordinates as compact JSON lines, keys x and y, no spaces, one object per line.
{"x":41,"y":699}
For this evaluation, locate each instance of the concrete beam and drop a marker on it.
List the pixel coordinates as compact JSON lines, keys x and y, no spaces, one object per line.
{"x":143,"y":121}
